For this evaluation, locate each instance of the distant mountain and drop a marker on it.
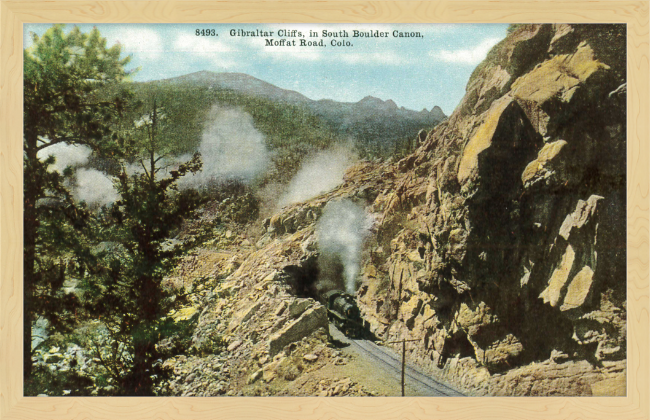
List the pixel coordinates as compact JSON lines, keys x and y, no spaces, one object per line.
{"x":241,"y":83}
{"x":374,"y":123}
{"x":437,"y":113}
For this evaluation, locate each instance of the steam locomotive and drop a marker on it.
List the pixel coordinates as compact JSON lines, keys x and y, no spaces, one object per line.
{"x":343,"y":311}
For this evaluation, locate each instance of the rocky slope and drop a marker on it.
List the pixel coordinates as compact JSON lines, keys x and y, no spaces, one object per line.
{"x":259,"y":330}
{"x":499,"y":244}
{"x":505,"y":236}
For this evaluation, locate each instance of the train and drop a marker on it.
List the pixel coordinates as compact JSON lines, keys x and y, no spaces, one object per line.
{"x":342,"y":310}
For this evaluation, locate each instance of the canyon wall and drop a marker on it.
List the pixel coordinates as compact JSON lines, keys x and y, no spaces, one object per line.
{"x":498,"y":246}
{"x":502,"y":244}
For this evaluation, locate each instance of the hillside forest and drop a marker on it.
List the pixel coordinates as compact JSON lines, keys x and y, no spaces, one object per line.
{"x":115,"y":171}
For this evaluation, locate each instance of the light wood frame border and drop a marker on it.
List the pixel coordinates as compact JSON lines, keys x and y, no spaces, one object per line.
{"x":14,"y":13}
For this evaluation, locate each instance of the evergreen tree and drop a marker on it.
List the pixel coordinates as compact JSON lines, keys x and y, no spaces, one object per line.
{"x":63,"y":74}
{"x":130,"y":296}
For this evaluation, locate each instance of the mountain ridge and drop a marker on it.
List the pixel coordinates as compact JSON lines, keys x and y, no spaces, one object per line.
{"x":246,"y":83}
{"x":375,"y":124}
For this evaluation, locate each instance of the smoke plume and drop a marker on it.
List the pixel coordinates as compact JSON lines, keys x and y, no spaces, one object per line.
{"x":65,"y":155}
{"x":90,"y":185}
{"x":319,"y":174}
{"x":341,"y":231}
{"x":94,"y":187}
{"x":231,"y":148}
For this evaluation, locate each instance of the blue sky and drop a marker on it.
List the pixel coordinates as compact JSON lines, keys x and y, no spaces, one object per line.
{"x":414,"y":72}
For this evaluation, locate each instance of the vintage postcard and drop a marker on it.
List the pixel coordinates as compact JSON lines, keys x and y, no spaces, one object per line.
{"x":325,"y":209}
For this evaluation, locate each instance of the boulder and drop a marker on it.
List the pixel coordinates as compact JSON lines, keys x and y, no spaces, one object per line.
{"x":579,"y":289}
{"x":552,"y":293}
{"x":499,"y":354}
{"x":309,"y":322}
{"x":558,"y":77}
{"x":298,"y":306}
{"x":549,"y":168}
{"x":551,"y":87}
{"x":472,"y":319}
{"x":275,"y":224}
{"x":499,"y":148}
{"x":310,"y":357}
{"x":255,"y":376}
{"x":481,"y":140}
{"x":572,"y":280}
{"x":184,"y":314}
{"x":280,"y":310}
{"x":244,"y":315}
{"x":409,"y":310}
{"x":584,"y":212}
{"x":234,"y":345}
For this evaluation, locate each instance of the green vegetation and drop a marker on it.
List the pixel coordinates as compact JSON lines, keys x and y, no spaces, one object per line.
{"x":61,"y":76}
{"x":291,"y":132}
{"x":129,"y":295}
{"x":94,"y":274}
{"x":118,"y":256}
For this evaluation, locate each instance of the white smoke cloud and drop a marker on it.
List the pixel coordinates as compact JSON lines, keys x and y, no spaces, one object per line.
{"x":321,"y":173}
{"x":231,"y":148}
{"x":341,"y":231}
{"x":90,"y":185}
{"x":65,"y":155}
{"x":94,"y":187}
{"x":163,"y":166}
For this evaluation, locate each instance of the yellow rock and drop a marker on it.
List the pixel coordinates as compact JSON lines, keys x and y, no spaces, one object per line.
{"x":614,"y":387}
{"x":268,"y":375}
{"x":455,"y":236}
{"x":409,"y":310}
{"x":270,"y":277}
{"x":184,"y":314}
{"x":578,"y":289}
{"x":370,"y":271}
{"x":414,"y":256}
{"x":558,"y":76}
{"x":276,"y":221}
{"x":561,"y":274}
{"x":546,"y":155}
{"x":481,"y":315}
{"x":481,"y":140}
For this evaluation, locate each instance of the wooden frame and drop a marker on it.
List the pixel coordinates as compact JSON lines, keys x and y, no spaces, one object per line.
{"x":14,"y":13}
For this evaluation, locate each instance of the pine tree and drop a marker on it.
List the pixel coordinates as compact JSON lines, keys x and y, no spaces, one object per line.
{"x":130,"y":296}
{"x":63,"y":74}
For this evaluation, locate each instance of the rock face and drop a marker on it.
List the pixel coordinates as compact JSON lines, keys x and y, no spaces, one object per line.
{"x":308,"y":323}
{"x":502,"y":242}
{"x":498,"y":245}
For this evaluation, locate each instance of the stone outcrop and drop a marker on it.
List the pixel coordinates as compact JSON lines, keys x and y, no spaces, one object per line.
{"x":309,"y":322}
{"x":502,"y":242}
{"x":498,"y":246}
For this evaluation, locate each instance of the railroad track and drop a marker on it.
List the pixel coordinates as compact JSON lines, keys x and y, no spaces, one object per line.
{"x":392,"y":363}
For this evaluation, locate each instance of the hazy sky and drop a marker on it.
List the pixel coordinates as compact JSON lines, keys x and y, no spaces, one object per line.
{"x":415,"y":72}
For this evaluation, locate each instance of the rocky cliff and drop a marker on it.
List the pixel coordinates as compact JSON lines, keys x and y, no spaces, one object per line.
{"x":499,"y":244}
{"x":503,"y":244}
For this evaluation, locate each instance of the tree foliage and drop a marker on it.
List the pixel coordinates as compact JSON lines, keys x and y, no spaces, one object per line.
{"x":291,"y":132}
{"x":62,"y":75}
{"x":129,"y":294}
